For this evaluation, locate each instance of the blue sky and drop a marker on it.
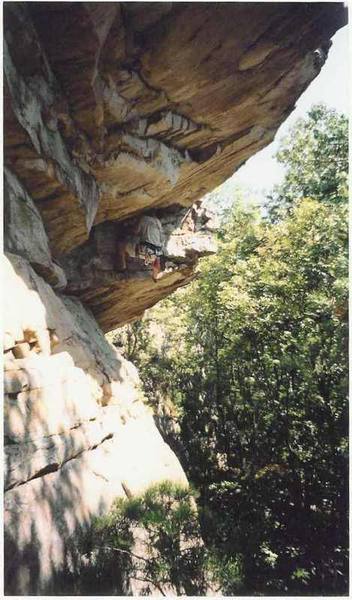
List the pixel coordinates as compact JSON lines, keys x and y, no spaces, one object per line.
{"x":330,"y":87}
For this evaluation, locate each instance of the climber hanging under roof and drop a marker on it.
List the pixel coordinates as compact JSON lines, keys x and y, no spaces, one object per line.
{"x":144,"y":239}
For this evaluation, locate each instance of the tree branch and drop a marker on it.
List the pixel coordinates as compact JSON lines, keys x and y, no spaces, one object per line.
{"x":145,"y":579}
{"x":125,"y":552}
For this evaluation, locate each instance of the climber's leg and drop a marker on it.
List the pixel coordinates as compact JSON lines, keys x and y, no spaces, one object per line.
{"x":156,"y":268}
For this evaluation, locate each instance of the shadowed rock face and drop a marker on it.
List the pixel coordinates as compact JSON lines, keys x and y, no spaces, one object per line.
{"x":114,"y":108}
{"x":77,"y":431}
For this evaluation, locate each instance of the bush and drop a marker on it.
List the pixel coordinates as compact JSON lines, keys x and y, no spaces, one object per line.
{"x":153,"y":539}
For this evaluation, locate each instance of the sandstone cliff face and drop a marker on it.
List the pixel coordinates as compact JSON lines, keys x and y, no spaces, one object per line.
{"x":112,"y":109}
{"x":77,"y":433}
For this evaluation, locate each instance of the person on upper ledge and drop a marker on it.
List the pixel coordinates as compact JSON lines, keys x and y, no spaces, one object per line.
{"x":144,"y":240}
{"x":200,"y":216}
{"x":197,"y":218}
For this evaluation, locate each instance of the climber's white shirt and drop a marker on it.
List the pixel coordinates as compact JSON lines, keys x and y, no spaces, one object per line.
{"x":150,"y":230}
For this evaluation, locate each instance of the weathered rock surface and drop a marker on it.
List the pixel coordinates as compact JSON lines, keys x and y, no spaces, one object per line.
{"x":114,"y":108}
{"x":77,"y":433}
{"x":23,"y":223}
{"x":91,"y":275}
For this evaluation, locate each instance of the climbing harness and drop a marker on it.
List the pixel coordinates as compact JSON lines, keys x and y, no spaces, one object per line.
{"x":149,"y":252}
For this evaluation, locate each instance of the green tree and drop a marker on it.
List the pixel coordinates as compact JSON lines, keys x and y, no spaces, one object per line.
{"x":265,"y":409}
{"x":256,"y":361}
{"x":154,"y":344}
{"x":315,"y":154}
{"x":153,"y":539}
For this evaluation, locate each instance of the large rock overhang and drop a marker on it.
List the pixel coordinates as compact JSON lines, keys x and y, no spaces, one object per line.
{"x":112,"y":109}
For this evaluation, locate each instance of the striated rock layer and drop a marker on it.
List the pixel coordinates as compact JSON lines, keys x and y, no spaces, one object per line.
{"x":112,"y":109}
{"x":77,"y":432}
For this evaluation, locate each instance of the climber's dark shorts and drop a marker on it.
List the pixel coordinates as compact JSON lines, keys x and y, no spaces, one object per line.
{"x":151,"y":249}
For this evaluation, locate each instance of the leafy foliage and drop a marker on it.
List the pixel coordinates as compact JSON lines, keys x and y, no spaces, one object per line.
{"x":265,"y":399}
{"x":154,"y":344}
{"x":155,"y":539}
{"x":315,"y":154}
{"x":255,"y":360}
